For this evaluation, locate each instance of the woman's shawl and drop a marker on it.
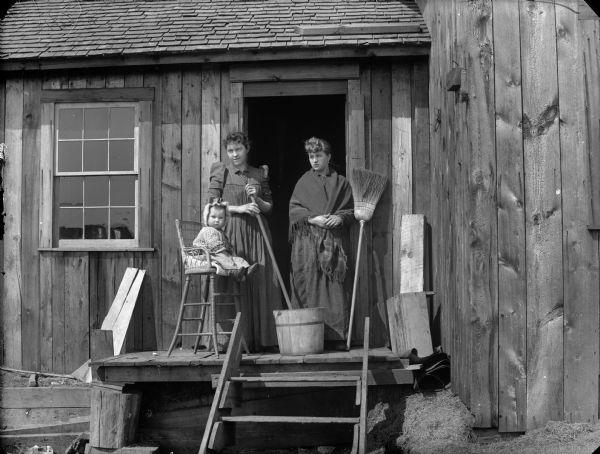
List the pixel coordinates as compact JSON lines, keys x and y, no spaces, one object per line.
{"x":311,"y":197}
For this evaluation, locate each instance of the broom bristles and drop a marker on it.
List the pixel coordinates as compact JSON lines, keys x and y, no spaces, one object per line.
{"x":367,"y":187}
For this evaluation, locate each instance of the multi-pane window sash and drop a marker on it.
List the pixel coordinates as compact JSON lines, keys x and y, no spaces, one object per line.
{"x":96,"y":182}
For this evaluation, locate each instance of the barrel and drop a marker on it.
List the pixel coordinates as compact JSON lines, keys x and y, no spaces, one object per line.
{"x":300,"y":331}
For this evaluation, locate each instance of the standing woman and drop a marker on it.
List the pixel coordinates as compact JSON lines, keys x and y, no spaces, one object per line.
{"x":235,"y":184}
{"x":321,"y":210}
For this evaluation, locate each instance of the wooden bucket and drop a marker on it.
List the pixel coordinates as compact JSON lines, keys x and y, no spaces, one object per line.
{"x":300,"y":331}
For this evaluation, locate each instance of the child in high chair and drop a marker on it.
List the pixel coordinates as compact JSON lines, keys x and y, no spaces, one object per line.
{"x":212,"y":237}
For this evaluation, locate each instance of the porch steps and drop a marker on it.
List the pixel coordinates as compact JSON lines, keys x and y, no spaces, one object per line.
{"x":221,"y":424}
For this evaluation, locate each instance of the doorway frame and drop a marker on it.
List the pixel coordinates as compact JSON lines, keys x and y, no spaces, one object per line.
{"x":302,"y":79}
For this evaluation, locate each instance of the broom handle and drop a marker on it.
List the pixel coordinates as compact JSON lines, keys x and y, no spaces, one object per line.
{"x":355,"y":284}
{"x":270,"y":249}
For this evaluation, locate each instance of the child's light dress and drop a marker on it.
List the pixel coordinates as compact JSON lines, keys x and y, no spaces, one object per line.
{"x":219,"y":249}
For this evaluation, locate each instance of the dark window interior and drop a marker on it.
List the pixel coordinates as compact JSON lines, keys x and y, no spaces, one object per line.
{"x":278,"y":127}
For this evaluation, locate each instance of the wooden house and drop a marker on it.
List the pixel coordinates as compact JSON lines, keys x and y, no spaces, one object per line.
{"x":503,"y":161}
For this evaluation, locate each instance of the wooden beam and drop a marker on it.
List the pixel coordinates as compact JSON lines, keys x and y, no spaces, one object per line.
{"x":402,"y":169}
{"x":411,"y":247}
{"x":580,"y":251}
{"x":59,"y":397}
{"x":99,"y":95}
{"x":407,"y":50}
{"x":543,"y":215}
{"x":279,"y":72}
{"x":121,"y":323}
{"x":409,"y":323}
{"x":113,"y":418}
{"x":301,"y":88}
{"x":358,"y":29}
{"x":117,"y":304}
{"x":512,"y":279}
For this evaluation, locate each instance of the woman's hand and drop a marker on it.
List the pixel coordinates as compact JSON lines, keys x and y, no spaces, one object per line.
{"x":249,"y":208}
{"x":333,"y":221}
{"x":252,"y":190}
{"x":319,"y":221}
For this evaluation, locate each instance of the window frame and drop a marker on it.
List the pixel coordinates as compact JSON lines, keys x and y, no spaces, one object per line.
{"x":70,"y":243}
{"x":52,"y":101}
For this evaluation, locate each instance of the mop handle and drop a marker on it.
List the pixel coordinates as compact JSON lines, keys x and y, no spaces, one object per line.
{"x":355,"y":284}
{"x":270,"y":249}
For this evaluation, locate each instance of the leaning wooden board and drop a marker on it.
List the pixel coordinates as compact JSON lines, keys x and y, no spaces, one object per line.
{"x":409,"y":323}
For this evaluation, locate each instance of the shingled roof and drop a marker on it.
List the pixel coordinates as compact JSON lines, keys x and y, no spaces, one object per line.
{"x":43,"y":29}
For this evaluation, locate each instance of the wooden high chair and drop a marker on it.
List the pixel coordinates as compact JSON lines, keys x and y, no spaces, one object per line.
{"x":197,"y":262}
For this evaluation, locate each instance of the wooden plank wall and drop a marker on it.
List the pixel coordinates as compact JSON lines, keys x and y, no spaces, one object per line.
{"x":514,"y":166}
{"x":54,"y":299}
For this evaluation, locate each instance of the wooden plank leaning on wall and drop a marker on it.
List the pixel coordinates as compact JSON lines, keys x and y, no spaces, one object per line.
{"x":13,"y":179}
{"x":512,"y":280}
{"x":580,"y":251}
{"x":543,"y":214}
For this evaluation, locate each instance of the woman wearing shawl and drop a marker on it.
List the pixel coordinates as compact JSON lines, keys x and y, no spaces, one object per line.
{"x":321,"y":210}
{"x":236,"y":183}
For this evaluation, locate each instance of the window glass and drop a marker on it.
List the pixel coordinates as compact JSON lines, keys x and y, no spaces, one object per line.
{"x":96,"y":222}
{"x":70,"y":123}
{"x":96,"y":123}
{"x":122,"y":223}
{"x":95,"y":155}
{"x":69,"y":156}
{"x":70,"y":190}
{"x":122,"y":121}
{"x":96,"y":191}
{"x":70,"y":223}
{"x":121,"y":155}
{"x":122,"y":190}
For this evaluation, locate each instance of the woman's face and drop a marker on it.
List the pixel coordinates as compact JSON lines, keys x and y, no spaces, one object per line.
{"x":319,"y":160}
{"x":216,"y":218}
{"x":237,"y":153}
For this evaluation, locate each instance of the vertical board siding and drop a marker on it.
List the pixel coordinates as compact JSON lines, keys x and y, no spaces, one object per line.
{"x":76,"y":307}
{"x":381,"y":146}
{"x":512,"y":278}
{"x":30,"y":321}
{"x":13,"y":178}
{"x":151,"y":79}
{"x":191,"y":184}
{"x":481,"y":212}
{"x":543,"y":214}
{"x":369,"y":290}
{"x":171,"y":199}
{"x":211,"y":124}
{"x":580,"y":253}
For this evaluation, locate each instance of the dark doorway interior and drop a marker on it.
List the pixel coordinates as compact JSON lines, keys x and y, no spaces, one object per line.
{"x":278,"y":127}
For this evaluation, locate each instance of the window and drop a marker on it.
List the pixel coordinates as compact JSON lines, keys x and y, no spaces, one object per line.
{"x":95,"y":169}
{"x":96,"y":177}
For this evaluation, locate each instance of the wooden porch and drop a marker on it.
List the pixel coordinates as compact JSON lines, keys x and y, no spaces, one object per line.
{"x":385,"y":367}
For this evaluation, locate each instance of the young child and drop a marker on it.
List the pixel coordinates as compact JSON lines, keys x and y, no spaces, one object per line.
{"x":212,"y":237}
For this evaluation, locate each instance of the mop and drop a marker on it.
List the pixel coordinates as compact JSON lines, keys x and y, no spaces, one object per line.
{"x":367,"y":187}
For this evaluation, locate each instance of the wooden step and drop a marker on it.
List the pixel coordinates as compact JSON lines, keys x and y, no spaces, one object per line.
{"x":291,"y":378}
{"x":291,"y":419}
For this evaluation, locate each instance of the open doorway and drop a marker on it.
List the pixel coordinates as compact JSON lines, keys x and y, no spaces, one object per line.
{"x":278,"y":127}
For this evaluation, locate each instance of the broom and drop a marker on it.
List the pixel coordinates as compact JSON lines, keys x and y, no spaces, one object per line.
{"x":367,"y":187}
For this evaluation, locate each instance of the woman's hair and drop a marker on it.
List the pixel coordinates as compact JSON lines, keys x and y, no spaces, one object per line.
{"x":314,"y":145}
{"x":217,"y":204}
{"x":237,"y":137}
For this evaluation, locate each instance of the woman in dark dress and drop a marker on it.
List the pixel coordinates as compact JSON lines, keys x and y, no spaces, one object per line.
{"x":321,"y":211}
{"x":236,"y":183}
